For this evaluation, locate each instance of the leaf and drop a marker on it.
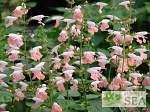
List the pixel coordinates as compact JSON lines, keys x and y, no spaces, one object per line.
{"x":20,"y":106}
{"x":31,"y":4}
{"x":147,"y":87}
{"x":60,"y":9}
{"x":103,"y":51}
{"x":98,"y":38}
{"x":148,"y":8}
{"x":72,"y":93}
{"x":57,"y":95}
{"x":4,"y":93}
{"x":5,"y":99}
{"x":91,"y":96}
{"x":66,"y":103}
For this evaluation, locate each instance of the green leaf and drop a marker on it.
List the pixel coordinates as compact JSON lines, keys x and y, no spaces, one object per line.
{"x":148,"y":8}
{"x":57,"y":95}
{"x":91,"y":96}
{"x":31,"y":4}
{"x":66,"y":103}
{"x":20,"y":106}
{"x":103,"y":51}
{"x":4,"y":93}
{"x":5,"y":99}
{"x":72,"y":93}
{"x":147,"y":87}
{"x":59,"y":9}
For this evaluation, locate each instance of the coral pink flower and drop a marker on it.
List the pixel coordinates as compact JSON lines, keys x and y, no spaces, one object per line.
{"x":122,"y":67}
{"x":11,"y":20}
{"x":113,"y":87}
{"x":88,"y":57}
{"x":37,"y":73}
{"x":142,"y":54}
{"x":146,"y":81}
{"x":101,"y":55}
{"x":78,"y":14}
{"x":3,"y":84}
{"x":102,"y":63}
{"x":74,"y":86}
{"x":103,"y":82}
{"x":63,"y":36}
{"x":67,"y":56}
{"x":41,"y":93}
{"x":60,"y":83}
{"x":126,"y":84}
{"x":14,"y":55}
{"x":75,"y":30}
{"x":68,"y":74}
{"x":118,"y":37}
{"x":95,"y":72}
{"x":35,"y":53}
{"x":92,"y":27}
{"x":104,"y":24}
{"x":68,"y":21}
{"x":2,"y":65}
{"x":111,"y":17}
{"x":39,"y":18}
{"x":142,"y":35}
{"x":56,"y":62}
{"x":18,"y":12}
{"x":57,"y":18}
{"x":125,"y":4}
{"x":67,"y":67}
{"x":101,"y":5}
{"x":131,"y":88}
{"x":130,"y":108}
{"x":15,"y":40}
{"x":17,"y":75}
{"x":2,"y":76}
{"x":19,"y":95}
{"x":3,"y":107}
{"x":117,"y":50}
{"x":56,"y":108}
{"x":135,"y":76}
{"x":37,"y":102}
{"x":95,"y":85}
{"x":128,"y":39}
{"x":23,"y":86}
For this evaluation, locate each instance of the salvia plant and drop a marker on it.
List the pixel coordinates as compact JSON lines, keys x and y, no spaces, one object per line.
{"x":70,"y":76}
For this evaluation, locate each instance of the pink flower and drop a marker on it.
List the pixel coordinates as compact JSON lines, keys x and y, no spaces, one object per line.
{"x":92,"y":27}
{"x":2,"y":65}
{"x":35,"y":53}
{"x":14,"y":55}
{"x":63,"y":36}
{"x":67,"y":67}
{"x":95,"y":72}
{"x":11,"y":20}
{"x":146,"y":81}
{"x":101,"y":5}
{"x":37,"y":71}
{"x":103,"y":82}
{"x":88,"y":57}
{"x":135,"y":76}
{"x":118,"y":37}
{"x":60,"y":83}
{"x":18,"y":12}
{"x":74,"y":86}
{"x":2,"y":76}
{"x":37,"y":102}
{"x":102,"y":63}
{"x":126,"y":84}
{"x":67,"y":56}
{"x":95,"y":85}
{"x":56,"y":108}
{"x":39,"y":18}
{"x":3,"y":84}
{"x":117,"y":50}
{"x":131,"y":88}
{"x":125,"y":4}
{"x":122,"y":67}
{"x":68,"y":74}
{"x":111,"y":17}
{"x":75,"y":31}
{"x":19,"y":95}
{"x":128,"y":39}
{"x":23,"y":86}
{"x":142,"y":54}
{"x":41,"y":93}
{"x":15,"y":40}
{"x":56,"y":62}
{"x":78,"y":14}
{"x":68,"y":21}
{"x":17,"y":75}
{"x":104,"y":24}
{"x":3,"y":107}
{"x":101,"y":55}
{"x":57,"y":18}
{"x":142,"y":35}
